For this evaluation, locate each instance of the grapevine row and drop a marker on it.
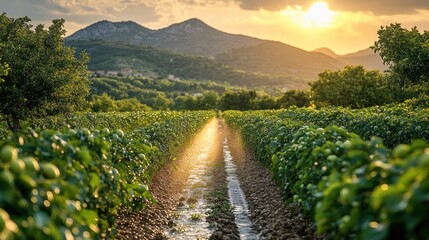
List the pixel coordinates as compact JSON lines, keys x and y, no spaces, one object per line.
{"x":73,"y":182}
{"x":352,"y":187}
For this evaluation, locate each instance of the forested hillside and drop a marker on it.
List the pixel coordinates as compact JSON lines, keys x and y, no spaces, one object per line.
{"x":114,"y":56}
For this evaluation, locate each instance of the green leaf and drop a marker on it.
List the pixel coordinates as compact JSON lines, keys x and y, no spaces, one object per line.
{"x":95,"y":180}
{"x":90,"y":216}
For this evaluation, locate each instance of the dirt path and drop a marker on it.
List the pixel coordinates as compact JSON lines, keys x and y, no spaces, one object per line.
{"x":193,"y":200}
{"x":269,"y":215}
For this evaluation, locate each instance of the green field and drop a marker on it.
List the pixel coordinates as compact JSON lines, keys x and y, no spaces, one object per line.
{"x":366,"y":178}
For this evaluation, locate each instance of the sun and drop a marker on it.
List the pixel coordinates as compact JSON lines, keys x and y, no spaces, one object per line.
{"x":318,"y":15}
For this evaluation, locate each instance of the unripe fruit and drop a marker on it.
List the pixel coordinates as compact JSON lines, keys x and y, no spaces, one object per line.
{"x":31,"y":164}
{"x":4,"y":216}
{"x":120,"y":133}
{"x":6,"y":178}
{"x":49,"y":170}
{"x":17,"y":166}
{"x":142,"y":156}
{"x":8,"y":153}
{"x":142,"y":188}
{"x":26,"y":182}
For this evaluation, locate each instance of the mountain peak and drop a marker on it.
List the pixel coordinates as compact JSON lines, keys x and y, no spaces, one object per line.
{"x":117,"y":31}
{"x":195,"y":21}
{"x":192,"y":25}
{"x":327,"y":52}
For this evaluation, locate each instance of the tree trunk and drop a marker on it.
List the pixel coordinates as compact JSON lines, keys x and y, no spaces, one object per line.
{"x":14,"y":124}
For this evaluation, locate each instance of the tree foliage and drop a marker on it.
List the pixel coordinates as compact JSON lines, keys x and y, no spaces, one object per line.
{"x":296,"y":98}
{"x":239,"y":100}
{"x":352,"y":87}
{"x":44,"y":77}
{"x":406,"y":52}
{"x":105,"y":103}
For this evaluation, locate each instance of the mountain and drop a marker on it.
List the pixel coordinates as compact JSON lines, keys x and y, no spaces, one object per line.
{"x":113,"y":56}
{"x":239,"y":55}
{"x":365,"y":57}
{"x":129,"y":31}
{"x":271,"y":57}
{"x":327,"y":52}
{"x":192,"y":36}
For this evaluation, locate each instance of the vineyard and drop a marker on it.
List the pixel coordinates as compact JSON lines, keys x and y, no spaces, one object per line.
{"x":351,"y":184}
{"x":358,"y":174}
{"x":70,"y":183}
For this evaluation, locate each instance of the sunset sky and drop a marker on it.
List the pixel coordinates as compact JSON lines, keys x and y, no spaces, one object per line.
{"x":342,"y":25}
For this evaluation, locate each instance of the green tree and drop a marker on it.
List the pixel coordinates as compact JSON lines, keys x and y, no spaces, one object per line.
{"x":265,"y":102}
{"x":161,"y":102}
{"x":103,"y":103}
{"x":352,"y":87}
{"x":210,"y":100}
{"x":294,"y":98}
{"x":406,"y":52}
{"x":131,"y":104}
{"x":238,"y":100}
{"x":4,"y":68}
{"x":44,"y":76}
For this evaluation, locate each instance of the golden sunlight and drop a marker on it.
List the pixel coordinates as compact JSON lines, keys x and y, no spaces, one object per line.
{"x":318,"y":15}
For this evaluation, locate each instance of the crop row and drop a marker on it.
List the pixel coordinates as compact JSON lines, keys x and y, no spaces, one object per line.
{"x":352,"y":188}
{"x":72,"y":183}
{"x":394,"y":124}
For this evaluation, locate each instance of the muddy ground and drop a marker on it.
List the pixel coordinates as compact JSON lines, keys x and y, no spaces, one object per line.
{"x":268,"y":213}
{"x":270,"y":217}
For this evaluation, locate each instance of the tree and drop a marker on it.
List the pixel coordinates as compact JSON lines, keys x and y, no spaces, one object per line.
{"x":265,"y":102}
{"x":352,"y":87}
{"x":103,"y":103}
{"x":44,"y":76}
{"x":131,"y":104}
{"x":294,"y":98}
{"x":406,"y":52}
{"x":209,"y":101}
{"x":4,"y":68}
{"x":161,"y":102}
{"x":240,"y":100}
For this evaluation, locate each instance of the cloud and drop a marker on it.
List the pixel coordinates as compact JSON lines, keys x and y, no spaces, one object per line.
{"x":82,"y":12}
{"x":270,"y":5}
{"x":393,"y":7}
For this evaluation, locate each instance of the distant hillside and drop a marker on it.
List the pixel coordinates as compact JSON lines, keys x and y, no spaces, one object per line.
{"x":192,"y":36}
{"x":216,"y":55}
{"x":115,"y":55}
{"x":366,"y":58}
{"x":327,"y":52}
{"x":279,"y":58}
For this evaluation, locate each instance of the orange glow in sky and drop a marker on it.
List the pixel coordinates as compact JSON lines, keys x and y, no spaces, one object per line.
{"x":318,"y":15}
{"x":342,"y":25}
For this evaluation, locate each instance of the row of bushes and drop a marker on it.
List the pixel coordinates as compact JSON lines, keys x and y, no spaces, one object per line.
{"x":73,"y":182}
{"x":352,"y":188}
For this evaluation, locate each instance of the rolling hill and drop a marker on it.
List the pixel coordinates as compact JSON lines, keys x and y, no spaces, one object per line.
{"x":278,"y":58}
{"x":108,"y":55}
{"x":192,"y":36}
{"x":192,"y":49}
{"x":366,"y":58}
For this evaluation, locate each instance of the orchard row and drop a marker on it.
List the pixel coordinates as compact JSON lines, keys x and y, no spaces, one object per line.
{"x":352,"y":185}
{"x":73,"y":181}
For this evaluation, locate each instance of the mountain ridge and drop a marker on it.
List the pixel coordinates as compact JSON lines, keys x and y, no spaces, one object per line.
{"x":192,"y":36}
{"x":243,"y":53}
{"x":365,"y":57}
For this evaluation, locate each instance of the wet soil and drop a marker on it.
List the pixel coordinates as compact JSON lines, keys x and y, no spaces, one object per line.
{"x":221,"y":215}
{"x":270,"y":216}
